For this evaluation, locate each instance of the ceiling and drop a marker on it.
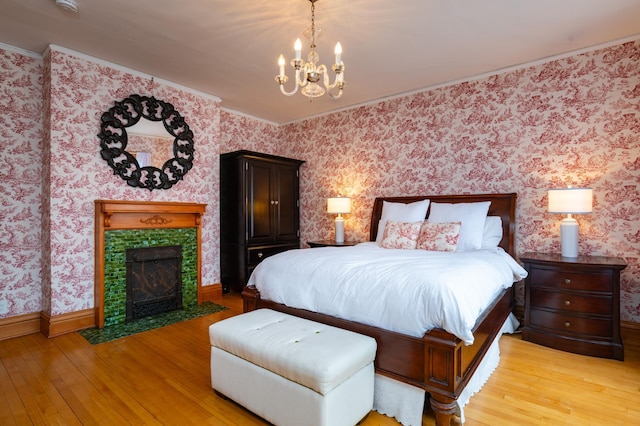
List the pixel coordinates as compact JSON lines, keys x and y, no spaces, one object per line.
{"x":229,"y":48}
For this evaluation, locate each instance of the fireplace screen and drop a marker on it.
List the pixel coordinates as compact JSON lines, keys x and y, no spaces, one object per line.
{"x":154,"y":281}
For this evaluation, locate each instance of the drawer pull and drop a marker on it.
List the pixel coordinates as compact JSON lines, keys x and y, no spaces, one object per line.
{"x":260,"y":255}
{"x":567,"y":302}
{"x":567,"y":324}
{"x":567,"y":281}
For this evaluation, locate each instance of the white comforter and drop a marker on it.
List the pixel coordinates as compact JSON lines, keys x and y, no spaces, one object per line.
{"x":408,"y":291}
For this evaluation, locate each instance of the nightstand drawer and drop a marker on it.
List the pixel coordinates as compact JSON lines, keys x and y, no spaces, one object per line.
{"x":560,"y":279}
{"x":256,"y":255}
{"x":568,"y":324}
{"x":542,"y":298}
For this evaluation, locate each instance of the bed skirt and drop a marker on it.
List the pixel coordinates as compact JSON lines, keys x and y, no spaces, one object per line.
{"x":406,"y":403}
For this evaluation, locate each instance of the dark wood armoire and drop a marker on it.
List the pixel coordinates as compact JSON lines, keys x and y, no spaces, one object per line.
{"x":259,"y":212}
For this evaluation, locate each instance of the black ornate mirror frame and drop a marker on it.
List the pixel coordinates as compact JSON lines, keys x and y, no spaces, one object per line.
{"x":113,"y":142}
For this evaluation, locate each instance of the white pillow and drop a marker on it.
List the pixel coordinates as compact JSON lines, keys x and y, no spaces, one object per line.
{"x":401,"y":212}
{"x":471,"y":215}
{"x":492,"y":234}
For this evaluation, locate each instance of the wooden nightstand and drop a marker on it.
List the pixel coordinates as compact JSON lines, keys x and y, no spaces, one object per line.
{"x":573,"y":304}
{"x":332,"y":243}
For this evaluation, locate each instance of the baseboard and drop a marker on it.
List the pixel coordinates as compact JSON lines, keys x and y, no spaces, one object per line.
{"x":20,"y":325}
{"x":66,"y":323}
{"x":630,"y":333}
{"x":211,"y":293}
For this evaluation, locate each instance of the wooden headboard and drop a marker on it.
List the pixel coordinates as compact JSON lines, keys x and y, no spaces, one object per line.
{"x":503,"y":205}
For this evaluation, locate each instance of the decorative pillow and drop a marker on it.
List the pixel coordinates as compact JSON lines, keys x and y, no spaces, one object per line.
{"x":492,"y":233}
{"x":401,"y":212}
{"x":438,"y":236}
{"x":472,"y":216}
{"x":400,"y":235}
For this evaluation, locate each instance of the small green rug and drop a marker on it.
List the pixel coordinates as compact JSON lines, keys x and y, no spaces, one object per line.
{"x":111,"y":332}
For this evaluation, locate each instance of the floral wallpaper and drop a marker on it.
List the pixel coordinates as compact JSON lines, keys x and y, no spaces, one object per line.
{"x":81,"y":90}
{"x":21,"y":135}
{"x":77,"y":92}
{"x":572,"y":121}
{"x":241,"y":132}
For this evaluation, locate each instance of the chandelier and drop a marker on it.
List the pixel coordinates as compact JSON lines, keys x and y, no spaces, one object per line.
{"x":309,"y":74}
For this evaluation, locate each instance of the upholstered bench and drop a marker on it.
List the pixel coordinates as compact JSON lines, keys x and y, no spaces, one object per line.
{"x":291,"y":371}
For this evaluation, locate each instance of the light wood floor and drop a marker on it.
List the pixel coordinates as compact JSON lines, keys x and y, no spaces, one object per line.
{"x":162,"y":377}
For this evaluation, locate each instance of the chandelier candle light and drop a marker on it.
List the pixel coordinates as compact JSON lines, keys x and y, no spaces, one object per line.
{"x":308,"y":74}
{"x":570,"y":201}
{"x":339,"y":205}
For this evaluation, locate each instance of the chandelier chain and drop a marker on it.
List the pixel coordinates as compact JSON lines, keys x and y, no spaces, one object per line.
{"x":313,"y":24}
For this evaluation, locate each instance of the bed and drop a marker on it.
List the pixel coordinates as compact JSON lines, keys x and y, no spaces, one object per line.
{"x":438,"y":361}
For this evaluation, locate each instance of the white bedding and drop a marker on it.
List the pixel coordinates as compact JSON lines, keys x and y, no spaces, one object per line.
{"x":408,"y":291}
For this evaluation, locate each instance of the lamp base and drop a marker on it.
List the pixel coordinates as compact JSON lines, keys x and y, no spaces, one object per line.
{"x":339,"y":229}
{"x":569,"y":237}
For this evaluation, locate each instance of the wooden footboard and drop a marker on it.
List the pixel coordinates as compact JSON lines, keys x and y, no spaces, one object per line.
{"x":439,"y":362}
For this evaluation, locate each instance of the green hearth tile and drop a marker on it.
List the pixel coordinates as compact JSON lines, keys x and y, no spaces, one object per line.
{"x":116,"y":244}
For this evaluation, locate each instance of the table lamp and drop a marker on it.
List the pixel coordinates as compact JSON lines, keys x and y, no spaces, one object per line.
{"x":339,"y":206}
{"x":570,"y":201}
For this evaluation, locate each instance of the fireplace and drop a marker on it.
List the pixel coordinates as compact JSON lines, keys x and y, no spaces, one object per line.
{"x":125,"y":225}
{"x":154,"y":281}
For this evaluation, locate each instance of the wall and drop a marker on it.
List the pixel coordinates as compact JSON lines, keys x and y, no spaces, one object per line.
{"x":570,"y":121}
{"x":242,"y":132}
{"x":77,"y":90}
{"x":574,"y":120}
{"x":81,"y":91}
{"x":21,"y":135}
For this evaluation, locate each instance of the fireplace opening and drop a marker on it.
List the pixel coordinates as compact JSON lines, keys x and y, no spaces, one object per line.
{"x":154,"y":281}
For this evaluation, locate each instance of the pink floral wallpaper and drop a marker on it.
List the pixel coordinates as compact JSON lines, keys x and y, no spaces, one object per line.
{"x":63,"y":164}
{"x":21,"y":135}
{"x":241,"y":132}
{"x":81,"y":90}
{"x":573,"y":121}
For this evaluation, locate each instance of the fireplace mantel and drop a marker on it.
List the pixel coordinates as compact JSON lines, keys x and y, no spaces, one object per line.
{"x":116,"y":215}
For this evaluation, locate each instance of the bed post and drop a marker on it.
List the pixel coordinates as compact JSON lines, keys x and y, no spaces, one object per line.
{"x":443,"y":407}
{"x":250,"y":297}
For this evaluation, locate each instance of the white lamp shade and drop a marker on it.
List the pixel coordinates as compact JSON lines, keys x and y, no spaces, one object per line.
{"x":571,"y":200}
{"x":339,"y":205}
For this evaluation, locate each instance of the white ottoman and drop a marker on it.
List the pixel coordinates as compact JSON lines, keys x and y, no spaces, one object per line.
{"x":292,"y":371}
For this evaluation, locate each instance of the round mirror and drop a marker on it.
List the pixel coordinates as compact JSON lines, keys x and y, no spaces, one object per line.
{"x":114,"y":140}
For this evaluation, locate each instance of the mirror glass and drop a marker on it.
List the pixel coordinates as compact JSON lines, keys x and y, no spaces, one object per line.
{"x":149,"y":143}
{"x":146,"y":142}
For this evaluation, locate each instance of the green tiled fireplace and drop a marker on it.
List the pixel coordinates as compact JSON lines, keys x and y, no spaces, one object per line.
{"x":123,"y":225}
{"x":115,"y":271}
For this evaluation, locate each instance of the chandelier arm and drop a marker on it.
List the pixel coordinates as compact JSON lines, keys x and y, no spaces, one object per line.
{"x":326,"y":81}
{"x":338,"y":82}
{"x":336,"y":96}
{"x":300,"y":81}
{"x":282,"y":79}
{"x":284,"y":92}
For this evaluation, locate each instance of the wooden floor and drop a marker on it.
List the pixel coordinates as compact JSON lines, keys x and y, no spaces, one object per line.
{"x":162,"y":377}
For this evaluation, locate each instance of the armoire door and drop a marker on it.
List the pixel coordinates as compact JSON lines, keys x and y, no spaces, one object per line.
{"x":260,"y":202}
{"x":286,"y":203}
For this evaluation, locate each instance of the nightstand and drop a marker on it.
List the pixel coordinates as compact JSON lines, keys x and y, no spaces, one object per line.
{"x":573,"y":304}
{"x":332,"y":243}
